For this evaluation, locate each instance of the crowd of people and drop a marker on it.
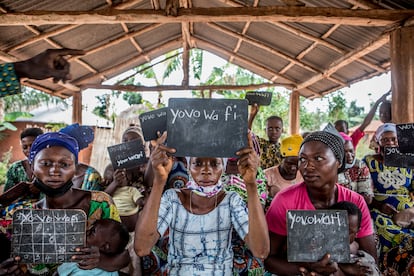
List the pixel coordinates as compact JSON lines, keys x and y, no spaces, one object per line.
{"x":212,"y":215}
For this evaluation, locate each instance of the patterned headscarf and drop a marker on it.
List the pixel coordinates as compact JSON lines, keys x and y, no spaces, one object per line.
{"x":51,"y":139}
{"x":333,"y":141}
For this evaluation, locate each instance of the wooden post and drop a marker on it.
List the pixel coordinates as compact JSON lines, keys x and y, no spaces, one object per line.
{"x":402,"y":74}
{"x":294,"y":112}
{"x":77,"y":107}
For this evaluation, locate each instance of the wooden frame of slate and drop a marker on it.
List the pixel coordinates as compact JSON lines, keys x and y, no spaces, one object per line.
{"x":313,"y":233}
{"x":127,"y":155}
{"x":48,"y":236}
{"x":207,"y":127}
{"x":259,"y":97}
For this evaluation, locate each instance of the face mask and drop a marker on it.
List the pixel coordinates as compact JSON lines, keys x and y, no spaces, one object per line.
{"x":208,"y":191}
{"x":52,"y":192}
{"x":348,"y":166}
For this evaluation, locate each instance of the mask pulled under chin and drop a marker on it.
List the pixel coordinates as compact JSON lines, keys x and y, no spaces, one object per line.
{"x":53,"y":192}
{"x":348,"y":166}
{"x":208,"y":191}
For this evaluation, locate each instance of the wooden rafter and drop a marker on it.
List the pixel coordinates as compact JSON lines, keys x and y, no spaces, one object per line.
{"x":347,"y":59}
{"x":258,"y":68}
{"x":140,"y":88}
{"x":321,"y":15}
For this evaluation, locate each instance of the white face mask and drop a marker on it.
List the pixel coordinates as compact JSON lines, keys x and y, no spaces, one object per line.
{"x":348,"y":166}
{"x":207,"y":191}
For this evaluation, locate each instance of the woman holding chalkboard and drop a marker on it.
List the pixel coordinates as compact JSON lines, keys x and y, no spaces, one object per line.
{"x":321,"y":157}
{"x":392,"y":205}
{"x":201,"y":217}
{"x":53,"y":157}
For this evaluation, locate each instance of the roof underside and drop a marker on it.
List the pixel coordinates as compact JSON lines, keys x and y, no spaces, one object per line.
{"x":312,"y":46}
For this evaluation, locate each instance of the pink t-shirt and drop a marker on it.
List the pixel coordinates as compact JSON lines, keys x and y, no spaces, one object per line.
{"x":356,"y":136}
{"x":296,"y":198}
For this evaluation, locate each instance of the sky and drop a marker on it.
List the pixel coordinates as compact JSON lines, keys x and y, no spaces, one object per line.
{"x":364,"y":92}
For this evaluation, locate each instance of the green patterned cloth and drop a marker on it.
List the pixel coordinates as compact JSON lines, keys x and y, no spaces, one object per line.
{"x":9,"y":82}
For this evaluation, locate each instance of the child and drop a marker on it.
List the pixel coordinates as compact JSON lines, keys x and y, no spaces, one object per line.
{"x":110,"y":236}
{"x":362,"y":262}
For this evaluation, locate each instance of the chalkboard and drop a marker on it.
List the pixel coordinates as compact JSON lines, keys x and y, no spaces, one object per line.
{"x":405,"y":135}
{"x":127,"y":155}
{"x":394,"y":158}
{"x":259,"y":97}
{"x":47,"y":236}
{"x":152,"y":122}
{"x":311,"y":234}
{"x":207,"y":127}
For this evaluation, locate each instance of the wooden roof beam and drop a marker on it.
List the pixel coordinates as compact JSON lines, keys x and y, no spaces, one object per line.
{"x":129,"y":64}
{"x":259,"y":68}
{"x":140,"y":88}
{"x":322,"y":42}
{"x":347,"y":59}
{"x":321,"y":15}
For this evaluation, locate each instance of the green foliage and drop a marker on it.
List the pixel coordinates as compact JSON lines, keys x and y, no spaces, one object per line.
{"x":4,"y":165}
{"x":337,"y":107}
{"x":29,"y":98}
{"x":132,"y":98}
{"x":196,"y":58}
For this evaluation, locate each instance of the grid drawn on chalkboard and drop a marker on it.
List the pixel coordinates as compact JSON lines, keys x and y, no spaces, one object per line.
{"x":47,"y":236}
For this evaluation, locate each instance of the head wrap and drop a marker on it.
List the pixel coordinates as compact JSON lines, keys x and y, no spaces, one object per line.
{"x":51,"y":139}
{"x":137,"y":130}
{"x":290,"y":145}
{"x":333,"y":141}
{"x":387,"y":127}
{"x":345,"y":136}
{"x":83,"y":134}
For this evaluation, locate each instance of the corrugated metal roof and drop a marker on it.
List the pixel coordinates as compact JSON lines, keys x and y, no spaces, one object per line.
{"x":302,"y":52}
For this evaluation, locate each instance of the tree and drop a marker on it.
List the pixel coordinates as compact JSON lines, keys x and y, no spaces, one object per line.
{"x":337,"y":107}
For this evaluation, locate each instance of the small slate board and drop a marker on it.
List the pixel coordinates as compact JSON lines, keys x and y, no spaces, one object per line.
{"x":152,"y":122}
{"x":259,"y":97}
{"x":127,"y":155}
{"x":405,"y":134}
{"x":47,"y":236}
{"x":313,"y":233}
{"x":394,"y":158}
{"x":207,"y":127}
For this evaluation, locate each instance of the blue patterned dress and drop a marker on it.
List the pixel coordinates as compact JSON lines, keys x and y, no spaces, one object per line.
{"x":201,"y":244}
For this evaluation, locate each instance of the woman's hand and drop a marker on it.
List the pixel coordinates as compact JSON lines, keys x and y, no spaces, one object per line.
{"x":388,"y":209}
{"x":10,"y":266}
{"x":161,"y":159}
{"x":88,"y":257}
{"x":248,"y":162}
{"x":50,"y":63}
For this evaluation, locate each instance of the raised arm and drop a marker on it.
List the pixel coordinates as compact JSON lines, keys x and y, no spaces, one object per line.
{"x":367,"y":120}
{"x":254,"y":109}
{"x":50,"y":63}
{"x":257,"y":238}
{"x":146,"y":231}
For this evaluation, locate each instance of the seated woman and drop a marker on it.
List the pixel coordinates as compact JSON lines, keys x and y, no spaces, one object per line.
{"x":321,"y":157}
{"x":200,"y":218}
{"x":356,"y":175}
{"x":392,"y":206}
{"x":53,"y":157}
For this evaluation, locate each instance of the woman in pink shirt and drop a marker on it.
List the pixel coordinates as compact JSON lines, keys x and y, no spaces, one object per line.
{"x":321,"y":157}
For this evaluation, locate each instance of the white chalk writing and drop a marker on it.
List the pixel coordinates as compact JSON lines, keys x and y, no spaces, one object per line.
{"x":323,"y":219}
